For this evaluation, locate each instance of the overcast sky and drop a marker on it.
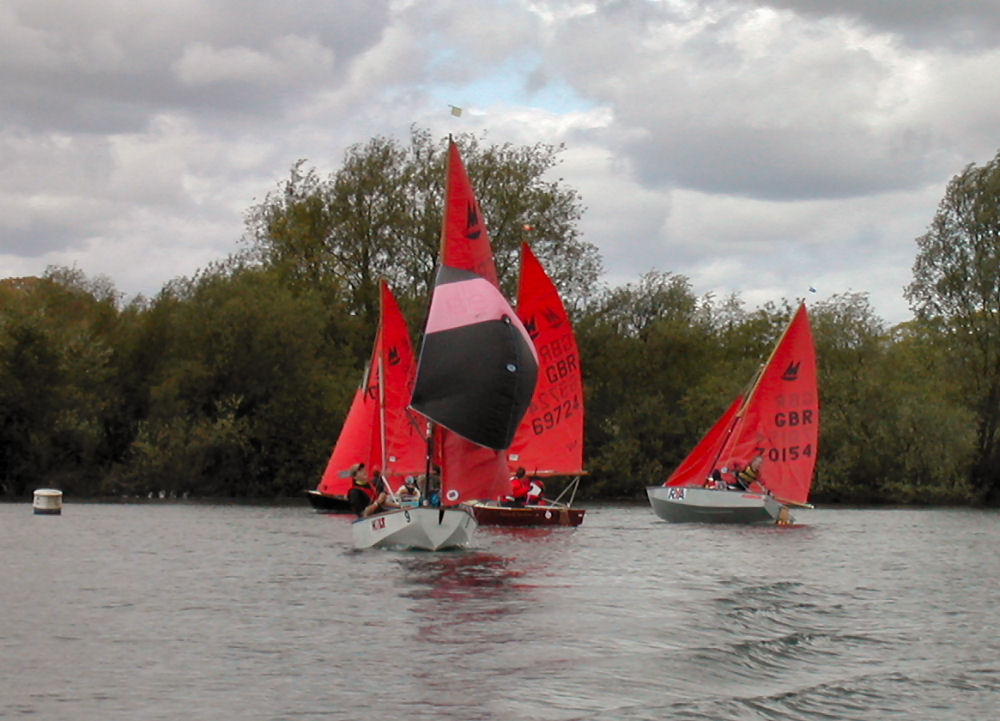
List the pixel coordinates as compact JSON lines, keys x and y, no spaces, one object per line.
{"x":760,"y":147}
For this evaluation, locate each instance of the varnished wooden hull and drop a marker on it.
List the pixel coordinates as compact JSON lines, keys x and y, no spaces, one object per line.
{"x":488,"y":514}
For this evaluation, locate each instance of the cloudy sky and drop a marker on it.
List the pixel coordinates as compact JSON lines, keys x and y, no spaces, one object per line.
{"x":754,"y":146}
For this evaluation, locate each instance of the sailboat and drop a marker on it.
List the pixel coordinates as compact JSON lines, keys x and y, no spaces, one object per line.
{"x":378,"y":430}
{"x":549,"y":441}
{"x":774,"y":425}
{"x":475,"y":378}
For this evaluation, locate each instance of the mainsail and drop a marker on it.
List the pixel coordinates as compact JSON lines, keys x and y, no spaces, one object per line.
{"x":397,"y":433}
{"x":549,"y":440}
{"x":477,"y":368}
{"x":378,"y":430}
{"x":778,"y":419}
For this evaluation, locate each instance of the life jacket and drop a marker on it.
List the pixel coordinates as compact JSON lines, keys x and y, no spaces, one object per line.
{"x":536,"y":489}
{"x":747,"y":476}
{"x":360,"y":497}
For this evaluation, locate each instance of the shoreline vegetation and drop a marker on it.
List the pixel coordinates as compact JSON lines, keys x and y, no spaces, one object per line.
{"x":234,"y":383}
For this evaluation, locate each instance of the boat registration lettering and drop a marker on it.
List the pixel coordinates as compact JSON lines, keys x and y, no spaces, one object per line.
{"x":378,"y":524}
{"x":675,"y":494}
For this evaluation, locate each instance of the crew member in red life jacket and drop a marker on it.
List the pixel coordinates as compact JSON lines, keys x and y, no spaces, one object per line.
{"x":519,"y":488}
{"x":536,"y":489}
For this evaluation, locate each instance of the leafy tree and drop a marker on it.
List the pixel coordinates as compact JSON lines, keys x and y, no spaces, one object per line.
{"x":642,"y":346}
{"x":956,"y":288}
{"x":56,"y":380}
{"x":892,"y":429}
{"x":243,"y":403}
{"x":380,"y":215}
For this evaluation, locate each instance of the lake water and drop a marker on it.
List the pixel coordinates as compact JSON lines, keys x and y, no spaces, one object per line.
{"x":187,"y":611}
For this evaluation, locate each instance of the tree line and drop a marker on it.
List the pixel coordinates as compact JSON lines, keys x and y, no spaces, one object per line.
{"x":234,"y":383}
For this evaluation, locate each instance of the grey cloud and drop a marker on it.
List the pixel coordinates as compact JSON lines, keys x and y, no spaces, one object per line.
{"x":955,"y":24}
{"x":782,"y":163}
{"x":75,"y":82}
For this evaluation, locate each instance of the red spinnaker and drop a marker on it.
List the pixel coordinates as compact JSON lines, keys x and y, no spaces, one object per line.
{"x":549,"y":440}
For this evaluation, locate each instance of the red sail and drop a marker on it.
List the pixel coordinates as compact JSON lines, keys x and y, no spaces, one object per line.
{"x":399,"y":450}
{"x":549,"y":440}
{"x":779,"y":421}
{"x":470,"y":472}
{"x":401,"y":446}
{"x":354,"y":445}
{"x":698,"y":466}
{"x":465,"y":243}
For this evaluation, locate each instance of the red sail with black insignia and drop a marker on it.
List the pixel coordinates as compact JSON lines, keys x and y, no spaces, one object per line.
{"x":398,"y":434}
{"x":465,"y":244}
{"x":778,"y":421}
{"x":379,"y":430}
{"x":549,"y":440}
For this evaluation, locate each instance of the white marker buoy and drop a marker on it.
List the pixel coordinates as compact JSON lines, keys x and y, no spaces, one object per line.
{"x":48,"y":501}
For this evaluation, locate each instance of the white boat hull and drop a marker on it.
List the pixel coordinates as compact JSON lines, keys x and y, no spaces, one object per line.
{"x":423,"y":528}
{"x":687,"y":504}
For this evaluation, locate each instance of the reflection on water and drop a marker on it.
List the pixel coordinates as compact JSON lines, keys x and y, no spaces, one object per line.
{"x":462,"y":587}
{"x":189,"y":611}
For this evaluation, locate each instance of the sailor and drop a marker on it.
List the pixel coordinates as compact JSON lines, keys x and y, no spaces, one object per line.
{"x":380,"y":497}
{"x":536,"y":489}
{"x":750,"y":473}
{"x":408,"y":492}
{"x":715,"y":481}
{"x":519,"y":488}
{"x":361,"y":493}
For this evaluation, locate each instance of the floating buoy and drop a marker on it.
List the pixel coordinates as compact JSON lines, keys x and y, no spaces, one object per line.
{"x":48,"y":501}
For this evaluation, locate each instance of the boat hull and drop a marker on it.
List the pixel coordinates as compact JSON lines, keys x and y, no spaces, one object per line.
{"x":690,"y":504}
{"x":326,"y":503}
{"x":490,"y":514}
{"x":423,"y":528}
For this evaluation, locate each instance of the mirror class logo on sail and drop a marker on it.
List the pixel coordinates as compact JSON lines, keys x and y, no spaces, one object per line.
{"x":473,"y":232}
{"x":794,"y":411}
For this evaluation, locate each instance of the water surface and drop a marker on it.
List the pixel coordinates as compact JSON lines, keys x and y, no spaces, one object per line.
{"x":184,"y":611}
